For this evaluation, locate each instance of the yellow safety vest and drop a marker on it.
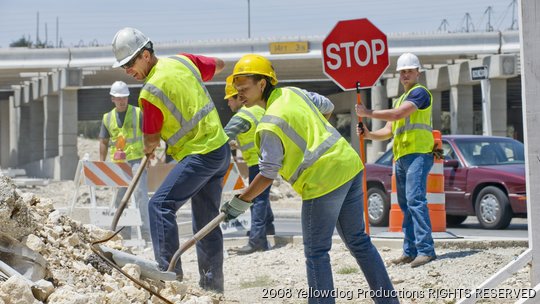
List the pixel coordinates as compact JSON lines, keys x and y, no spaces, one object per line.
{"x":412,"y":134}
{"x":191,"y":123}
{"x":317,"y":159}
{"x":130,"y":130}
{"x":246,"y":140}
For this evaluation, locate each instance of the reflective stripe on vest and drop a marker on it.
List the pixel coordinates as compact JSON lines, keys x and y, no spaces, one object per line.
{"x":309,"y":157}
{"x":408,"y":125}
{"x":187,"y":125}
{"x":256,"y":121}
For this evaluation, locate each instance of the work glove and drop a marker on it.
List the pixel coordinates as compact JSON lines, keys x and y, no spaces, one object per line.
{"x":437,"y":152}
{"x":234,"y":208}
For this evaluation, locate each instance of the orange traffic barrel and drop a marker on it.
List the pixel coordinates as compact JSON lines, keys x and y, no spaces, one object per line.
{"x":435,"y":195}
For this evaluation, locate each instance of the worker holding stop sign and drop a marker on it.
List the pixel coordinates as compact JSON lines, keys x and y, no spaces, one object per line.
{"x":409,"y":123}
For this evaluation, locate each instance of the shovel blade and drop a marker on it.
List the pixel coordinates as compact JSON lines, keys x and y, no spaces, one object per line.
{"x":24,"y":260}
{"x":149,"y":269}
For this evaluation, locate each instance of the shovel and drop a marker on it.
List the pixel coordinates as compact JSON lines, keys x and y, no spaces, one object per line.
{"x":16,"y":256}
{"x":195,"y":238}
{"x":149,"y":268}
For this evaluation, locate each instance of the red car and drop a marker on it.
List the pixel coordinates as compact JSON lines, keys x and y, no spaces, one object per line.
{"x":483,"y":176}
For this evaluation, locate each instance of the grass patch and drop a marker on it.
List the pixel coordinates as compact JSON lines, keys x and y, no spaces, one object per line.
{"x":259,"y":281}
{"x":348,"y":270}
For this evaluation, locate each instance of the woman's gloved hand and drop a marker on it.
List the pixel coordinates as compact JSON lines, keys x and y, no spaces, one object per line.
{"x":234,"y":208}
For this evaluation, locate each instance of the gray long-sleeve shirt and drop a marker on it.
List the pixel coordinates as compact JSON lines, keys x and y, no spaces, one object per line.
{"x":271,"y":159}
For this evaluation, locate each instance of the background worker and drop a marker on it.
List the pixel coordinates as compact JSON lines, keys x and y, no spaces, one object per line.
{"x":120,"y":135}
{"x":297,"y":142}
{"x":178,"y":109}
{"x":409,"y":122}
{"x":241,"y":128}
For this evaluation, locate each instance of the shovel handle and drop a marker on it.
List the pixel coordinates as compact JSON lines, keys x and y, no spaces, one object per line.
{"x":195,"y":238}
{"x":129,"y":191}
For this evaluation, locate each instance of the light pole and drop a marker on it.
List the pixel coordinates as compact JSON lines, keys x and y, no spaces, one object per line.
{"x":249,"y":19}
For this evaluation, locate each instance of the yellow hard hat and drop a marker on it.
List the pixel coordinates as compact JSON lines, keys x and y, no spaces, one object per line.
{"x":255,"y":64}
{"x":230,"y":90}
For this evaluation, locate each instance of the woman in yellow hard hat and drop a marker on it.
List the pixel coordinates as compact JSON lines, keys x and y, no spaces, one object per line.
{"x":297,"y":142}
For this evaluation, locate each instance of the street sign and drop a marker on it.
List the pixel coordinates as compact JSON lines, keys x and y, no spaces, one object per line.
{"x":289,"y":47}
{"x":479,"y":73}
{"x":355,"y":51}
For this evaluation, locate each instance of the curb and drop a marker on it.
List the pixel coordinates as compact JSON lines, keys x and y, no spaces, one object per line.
{"x":394,"y":243}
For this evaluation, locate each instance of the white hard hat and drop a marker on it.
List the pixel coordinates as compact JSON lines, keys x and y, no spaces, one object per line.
{"x":126,"y":43}
{"x":407,"y":61}
{"x":119,"y":89}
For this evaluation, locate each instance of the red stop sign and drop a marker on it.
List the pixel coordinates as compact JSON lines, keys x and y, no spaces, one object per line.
{"x":355,"y":51}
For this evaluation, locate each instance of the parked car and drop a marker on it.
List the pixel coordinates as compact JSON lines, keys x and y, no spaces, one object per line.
{"x":483,"y":176}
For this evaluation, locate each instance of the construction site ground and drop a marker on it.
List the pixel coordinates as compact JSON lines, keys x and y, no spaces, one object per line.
{"x":274,"y":276}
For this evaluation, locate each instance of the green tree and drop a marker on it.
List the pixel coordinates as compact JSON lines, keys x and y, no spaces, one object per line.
{"x":22,"y":42}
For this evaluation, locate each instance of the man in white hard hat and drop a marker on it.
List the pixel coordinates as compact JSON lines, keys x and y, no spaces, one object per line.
{"x":178,"y":109}
{"x":120,"y":135}
{"x":409,"y":122}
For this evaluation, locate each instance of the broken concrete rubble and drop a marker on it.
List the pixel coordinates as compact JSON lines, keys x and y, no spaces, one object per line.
{"x":65,"y":245}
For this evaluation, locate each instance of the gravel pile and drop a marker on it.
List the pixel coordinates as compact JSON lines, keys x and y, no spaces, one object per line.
{"x":70,"y":275}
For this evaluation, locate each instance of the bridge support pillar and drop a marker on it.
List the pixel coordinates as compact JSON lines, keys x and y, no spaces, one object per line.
{"x":66,"y":161}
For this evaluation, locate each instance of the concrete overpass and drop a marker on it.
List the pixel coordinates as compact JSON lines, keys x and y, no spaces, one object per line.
{"x":44,"y":93}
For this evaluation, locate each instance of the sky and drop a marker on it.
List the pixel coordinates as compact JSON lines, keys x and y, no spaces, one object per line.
{"x":83,"y":23}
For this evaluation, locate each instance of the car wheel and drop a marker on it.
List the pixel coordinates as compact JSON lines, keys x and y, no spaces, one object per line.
{"x":378,"y":207}
{"x":454,"y":220}
{"x":493,"y":209}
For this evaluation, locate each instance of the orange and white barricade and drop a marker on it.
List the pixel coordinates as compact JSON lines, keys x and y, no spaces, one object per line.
{"x":435,"y":195}
{"x":105,"y":174}
{"x":233,"y":181}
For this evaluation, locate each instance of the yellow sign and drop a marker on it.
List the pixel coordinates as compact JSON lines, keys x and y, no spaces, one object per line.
{"x":289,"y":47}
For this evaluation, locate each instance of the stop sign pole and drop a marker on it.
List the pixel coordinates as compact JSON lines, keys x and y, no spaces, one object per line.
{"x":355,"y":55}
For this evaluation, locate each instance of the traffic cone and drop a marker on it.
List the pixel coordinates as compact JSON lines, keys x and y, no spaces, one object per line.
{"x":435,"y":190}
{"x":396,"y":215}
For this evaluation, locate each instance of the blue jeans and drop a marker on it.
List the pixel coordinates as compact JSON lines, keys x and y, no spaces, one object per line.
{"x":411,"y":178}
{"x":200,"y":178}
{"x":262,"y":216}
{"x":140,"y":195}
{"x":341,"y":209}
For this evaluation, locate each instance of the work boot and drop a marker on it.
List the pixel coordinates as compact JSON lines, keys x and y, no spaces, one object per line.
{"x":247,"y":249}
{"x":421,"y":260}
{"x":404,"y":259}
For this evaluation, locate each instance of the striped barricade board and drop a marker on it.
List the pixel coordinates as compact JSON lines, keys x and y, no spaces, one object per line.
{"x":98,"y":173}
